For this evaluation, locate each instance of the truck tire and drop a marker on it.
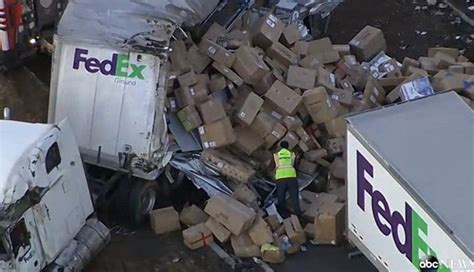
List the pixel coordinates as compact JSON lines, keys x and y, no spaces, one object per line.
{"x":142,"y":199}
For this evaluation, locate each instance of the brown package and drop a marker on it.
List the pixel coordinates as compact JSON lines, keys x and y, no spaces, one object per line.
{"x":324,"y":51}
{"x":228,"y":73}
{"x":338,"y":168}
{"x":265,"y":83}
{"x":197,"y":236}
{"x":273,"y":254}
{"x":248,"y":108}
{"x":192,"y":215}
{"x":198,"y":60}
{"x":313,"y":155}
{"x":336,"y":127}
{"x":217,"y":134}
{"x":294,"y":230}
{"x":260,"y":232}
{"x":214,"y":32}
{"x":329,"y":224}
{"x":217,"y":52}
{"x":249,"y":65}
{"x":290,"y":35}
{"x":273,"y":222}
{"x":336,"y":145}
{"x":267,"y":31}
{"x":244,"y":247}
{"x":283,"y":97}
{"x":235,"y":216}
{"x":282,"y":54}
{"x":245,"y":195}
{"x":307,"y":167}
{"x":218,"y":230}
{"x":263,"y":124}
{"x":164,"y":220}
{"x":299,"y":77}
{"x":189,"y":118}
{"x":228,"y":165}
{"x":187,"y":79}
{"x":247,"y":140}
{"x":212,"y":111}
{"x":368,"y":43}
{"x":275,"y":135}
{"x":291,"y":138}
{"x":217,"y":83}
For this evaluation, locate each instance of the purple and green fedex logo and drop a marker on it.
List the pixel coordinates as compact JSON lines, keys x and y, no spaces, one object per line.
{"x":410,"y":222}
{"x":117,"y":66}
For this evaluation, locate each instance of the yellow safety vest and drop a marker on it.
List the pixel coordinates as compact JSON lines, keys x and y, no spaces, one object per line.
{"x":285,"y":168}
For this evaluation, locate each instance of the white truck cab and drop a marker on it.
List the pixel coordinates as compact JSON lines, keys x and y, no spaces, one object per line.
{"x":45,"y":203}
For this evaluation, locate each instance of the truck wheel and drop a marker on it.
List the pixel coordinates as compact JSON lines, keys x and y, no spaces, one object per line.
{"x":142,"y":200}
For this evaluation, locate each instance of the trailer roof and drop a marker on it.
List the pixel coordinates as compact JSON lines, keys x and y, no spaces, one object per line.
{"x":118,"y":23}
{"x":429,"y":143}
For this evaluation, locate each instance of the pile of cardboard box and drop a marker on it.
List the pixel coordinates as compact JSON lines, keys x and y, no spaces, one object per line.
{"x":247,"y":89}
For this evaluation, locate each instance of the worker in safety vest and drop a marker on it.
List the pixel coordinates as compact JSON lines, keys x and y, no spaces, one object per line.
{"x":285,"y":175}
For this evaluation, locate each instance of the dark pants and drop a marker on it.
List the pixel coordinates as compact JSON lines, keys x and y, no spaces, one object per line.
{"x":288,"y":184}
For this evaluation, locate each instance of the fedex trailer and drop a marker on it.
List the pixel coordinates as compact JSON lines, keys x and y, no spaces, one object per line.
{"x":411,"y":185}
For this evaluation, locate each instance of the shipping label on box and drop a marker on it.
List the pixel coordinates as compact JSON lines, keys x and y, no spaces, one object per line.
{"x":417,"y":88}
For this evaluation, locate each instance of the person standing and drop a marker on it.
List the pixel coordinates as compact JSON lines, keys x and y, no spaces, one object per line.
{"x":285,"y":176}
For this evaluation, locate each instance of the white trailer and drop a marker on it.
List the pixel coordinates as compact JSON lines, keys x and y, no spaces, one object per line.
{"x":46,"y":212}
{"x":109,"y":79}
{"x":411,"y":185}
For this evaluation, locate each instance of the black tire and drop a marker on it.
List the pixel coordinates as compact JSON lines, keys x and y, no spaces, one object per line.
{"x":142,"y":199}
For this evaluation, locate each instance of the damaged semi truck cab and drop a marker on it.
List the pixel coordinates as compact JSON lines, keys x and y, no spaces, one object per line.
{"x":45,"y":206}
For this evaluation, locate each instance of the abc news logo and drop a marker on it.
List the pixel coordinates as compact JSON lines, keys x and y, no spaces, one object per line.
{"x":429,"y":264}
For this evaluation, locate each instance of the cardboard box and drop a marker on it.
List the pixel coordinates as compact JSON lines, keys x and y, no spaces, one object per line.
{"x":290,"y":35}
{"x":247,"y":140}
{"x":228,"y":165}
{"x":299,"y":77}
{"x":218,"y":230}
{"x":316,"y":205}
{"x":249,"y":65}
{"x":217,"y":52}
{"x":189,"y":118}
{"x":212,"y":111}
{"x":291,"y":138}
{"x":394,"y":95}
{"x":272,"y":254}
{"x":267,"y":31}
{"x":309,"y":231}
{"x":217,"y":134}
{"x":374,"y":92}
{"x":336,"y":145}
{"x":235,"y":216}
{"x":273,"y":110}
{"x":197,"y":236}
{"x":263,"y":124}
{"x":303,"y":134}
{"x":336,"y":127}
{"x":307,"y":167}
{"x":282,"y":54}
{"x":278,"y":131}
{"x":198,"y":60}
{"x":244,"y":247}
{"x":452,"y":52}
{"x":314,"y":155}
{"x":326,"y":79}
{"x":164,"y":220}
{"x":294,"y":230}
{"x":311,"y":62}
{"x":283,"y":97}
{"x":417,"y":88}
{"x":389,"y":83}
{"x":217,"y":83}
{"x":342,"y":49}
{"x":447,"y":80}
{"x":192,"y":215}
{"x":260,"y":232}
{"x":368,"y":43}
{"x":443,"y":61}
{"x":324,"y":51}
{"x":273,"y":222}
{"x":390,"y":68}
{"x":179,"y":62}
{"x":342,"y":96}
{"x":247,"y":110}
{"x":265,"y":83}
{"x":229,"y":74}
{"x":301,"y":48}
{"x":428,"y":64}
{"x":338,"y":168}
{"x":245,"y":195}
{"x":292,"y":122}
{"x":187,"y":79}
{"x":214,"y":32}
{"x":357,"y":76}
{"x":329,"y":224}
{"x":408,"y":62}
{"x":242,"y":36}
{"x":319,"y":105}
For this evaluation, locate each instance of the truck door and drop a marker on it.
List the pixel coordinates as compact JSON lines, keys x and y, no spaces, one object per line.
{"x":25,"y":245}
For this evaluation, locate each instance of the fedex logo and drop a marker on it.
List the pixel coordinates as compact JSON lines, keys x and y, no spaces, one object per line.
{"x":117,"y":66}
{"x":404,"y":227}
